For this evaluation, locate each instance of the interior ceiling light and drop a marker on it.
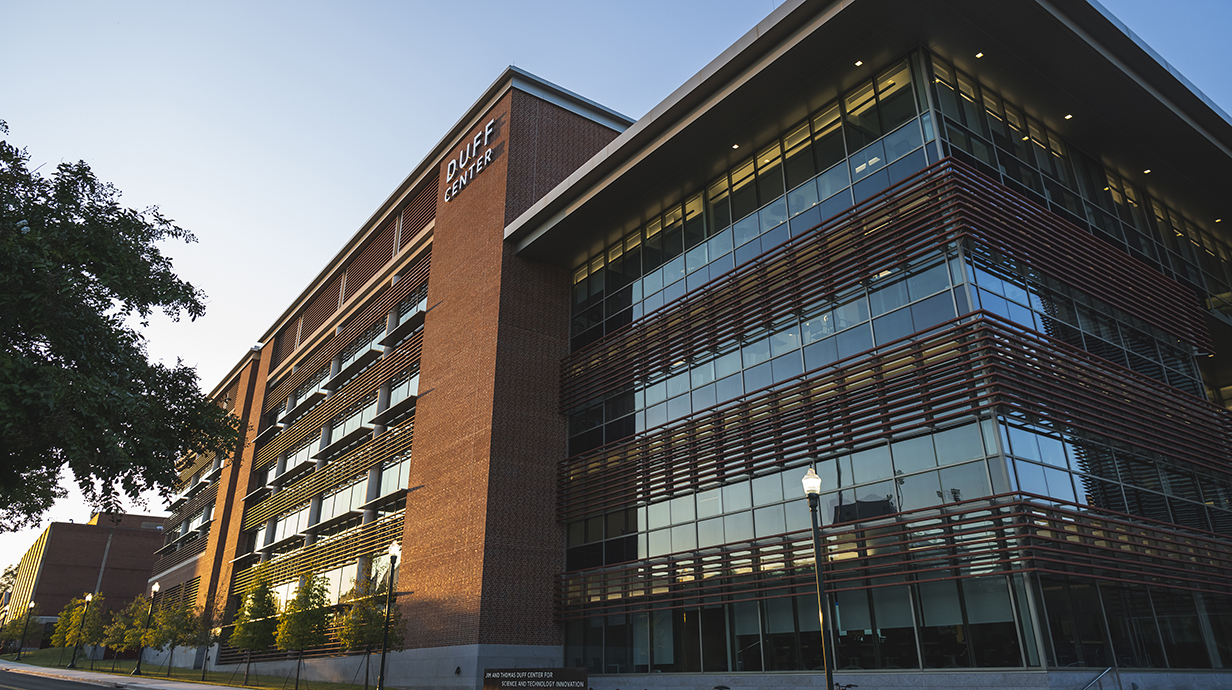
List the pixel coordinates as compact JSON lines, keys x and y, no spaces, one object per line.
{"x":1069,"y":117}
{"x":1146,"y":172}
{"x":1026,"y":138}
{"x":859,"y":63}
{"x":735,"y":146}
{"x":1219,"y":220}
{"x":979,"y":55}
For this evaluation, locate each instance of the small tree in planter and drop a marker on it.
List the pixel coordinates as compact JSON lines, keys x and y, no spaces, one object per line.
{"x":207,"y":630}
{"x":160,"y":634}
{"x":65,"y":631}
{"x":92,"y":627}
{"x":362,"y":624}
{"x":304,"y":620}
{"x":176,"y":626}
{"x":124,"y":632}
{"x":18,"y":629}
{"x":255,"y":622}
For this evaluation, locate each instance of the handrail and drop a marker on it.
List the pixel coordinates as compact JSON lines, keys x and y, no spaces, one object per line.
{"x":1095,"y":680}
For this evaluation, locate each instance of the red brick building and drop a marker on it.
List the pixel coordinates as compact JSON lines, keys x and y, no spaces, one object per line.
{"x":111,"y":555}
{"x":425,"y":323}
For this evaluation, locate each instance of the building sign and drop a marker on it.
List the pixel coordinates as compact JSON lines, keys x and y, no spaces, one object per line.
{"x":498,"y":678}
{"x":469,"y":162}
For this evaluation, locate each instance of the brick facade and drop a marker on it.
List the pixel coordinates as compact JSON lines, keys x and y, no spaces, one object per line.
{"x":104,"y":556}
{"x":479,"y":561}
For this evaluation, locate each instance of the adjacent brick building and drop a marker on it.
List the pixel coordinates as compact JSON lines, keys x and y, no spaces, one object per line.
{"x":111,"y":555}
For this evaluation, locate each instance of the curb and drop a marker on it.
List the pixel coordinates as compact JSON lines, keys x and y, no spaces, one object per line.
{"x":94,"y":679}
{"x":36,"y":671}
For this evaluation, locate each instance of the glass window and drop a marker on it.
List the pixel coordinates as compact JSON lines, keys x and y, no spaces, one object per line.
{"x":736,"y":497}
{"x":802,"y":198}
{"x":887,"y":297}
{"x":964,"y":481}
{"x":769,"y":521}
{"x":932,"y":311}
{"x":918,"y":491}
{"x":820,"y":354}
{"x":902,"y":141}
{"x":854,"y":341}
{"x":832,"y":182}
{"x":799,"y":165}
{"x":744,"y":192}
{"x":959,"y":444}
{"x":871,"y":464}
{"x":682,"y":509}
{"x":861,"y":123}
{"x":893,"y":326}
{"x":894,"y":94}
{"x":914,"y":454}
{"x":817,"y":327}
{"x":738,"y":526}
{"x":851,"y":310}
{"x":867,"y":161}
{"x":927,"y":281}
{"x":767,"y":489}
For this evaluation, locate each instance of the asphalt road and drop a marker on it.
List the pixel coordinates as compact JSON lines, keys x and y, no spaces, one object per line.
{"x":22,"y":681}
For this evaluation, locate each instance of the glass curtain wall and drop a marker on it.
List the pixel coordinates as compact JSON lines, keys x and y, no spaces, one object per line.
{"x":982,"y":128}
{"x":871,"y":137}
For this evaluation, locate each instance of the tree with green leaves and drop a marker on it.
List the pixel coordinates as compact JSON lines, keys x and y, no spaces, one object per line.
{"x":158,"y":635}
{"x":304,"y":620}
{"x":361,"y":625}
{"x":91,"y":628}
{"x":76,"y":386}
{"x":8,"y":578}
{"x":124,"y":631}
{"x":256,"y":622}
{"x":175,"y":626}
{"x":79,"y":623}
{"x":64,"y":625}
{"x":207,"y":630}
{"x":22,"y":625}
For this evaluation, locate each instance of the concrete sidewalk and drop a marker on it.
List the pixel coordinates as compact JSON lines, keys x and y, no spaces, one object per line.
{"x":108,"y":679}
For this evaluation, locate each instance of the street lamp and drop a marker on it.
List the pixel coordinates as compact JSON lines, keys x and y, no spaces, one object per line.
{"x":395,"y":550}
{"x":72,"y":663}
{"x":812,"y":489}
{"x":22,"y":642}
{"x":148,"y":615}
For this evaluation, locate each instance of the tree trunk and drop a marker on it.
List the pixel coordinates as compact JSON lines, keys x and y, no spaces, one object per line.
{"x":367,"y":665}
{"x":247,"y":664}
{"x":170,"y":655}
{"x":205,"y":664}
{"x":298,"y":660}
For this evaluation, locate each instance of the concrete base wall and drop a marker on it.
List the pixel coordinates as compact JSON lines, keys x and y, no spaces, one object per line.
{"x":459,"y":667}
{"x":433,"y":668}
{"x":185,"y":657}
{"x":941,"y":680}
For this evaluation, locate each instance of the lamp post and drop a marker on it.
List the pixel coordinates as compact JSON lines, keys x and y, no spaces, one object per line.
{"x":148,"y":615}
{"x":812,"y":489}
{"x":395,"y":550}
{"x":72,"y":663}
{"x":25,"y":628}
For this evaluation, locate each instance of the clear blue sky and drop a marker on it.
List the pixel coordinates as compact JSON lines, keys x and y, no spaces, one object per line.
{"x":272,"y":130}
